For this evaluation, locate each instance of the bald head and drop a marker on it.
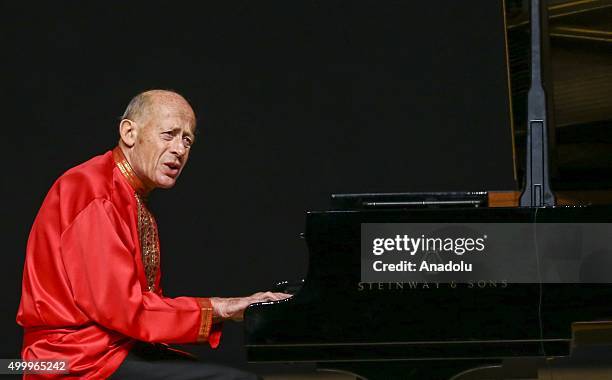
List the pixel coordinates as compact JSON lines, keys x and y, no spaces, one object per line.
{"x":156,"y":134}
{"x":148,"y":103}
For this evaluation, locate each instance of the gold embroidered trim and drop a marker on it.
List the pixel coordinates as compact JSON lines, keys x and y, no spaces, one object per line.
{"x":126,"y":170}
{"x":206,"y":318}
{"x":149,"y":243}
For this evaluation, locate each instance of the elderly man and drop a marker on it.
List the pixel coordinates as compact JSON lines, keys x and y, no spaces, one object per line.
{"x":91,"y":284}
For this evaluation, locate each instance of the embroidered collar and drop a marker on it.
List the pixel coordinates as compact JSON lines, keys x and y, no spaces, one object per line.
{"x":126,"y":169}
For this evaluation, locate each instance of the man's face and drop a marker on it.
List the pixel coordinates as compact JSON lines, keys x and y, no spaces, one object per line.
{"x":162,"y":145}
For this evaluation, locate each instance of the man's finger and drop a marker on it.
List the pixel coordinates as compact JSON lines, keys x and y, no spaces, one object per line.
{"x":280,"y":296}
{"x":270,"y":296}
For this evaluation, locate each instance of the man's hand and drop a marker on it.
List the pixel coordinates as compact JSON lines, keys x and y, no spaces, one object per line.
{"x":233,"y":308}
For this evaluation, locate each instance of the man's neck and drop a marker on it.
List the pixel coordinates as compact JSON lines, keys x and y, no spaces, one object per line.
{"x":124,"y":163}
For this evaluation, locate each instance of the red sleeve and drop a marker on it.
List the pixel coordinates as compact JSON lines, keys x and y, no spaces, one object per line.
{"x":97,"y":254}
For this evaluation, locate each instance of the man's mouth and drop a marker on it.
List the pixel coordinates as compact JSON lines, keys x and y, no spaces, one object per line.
{"x":172,"y":168}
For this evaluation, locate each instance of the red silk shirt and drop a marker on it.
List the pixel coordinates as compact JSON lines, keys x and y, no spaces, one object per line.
{"x":87,"y":293}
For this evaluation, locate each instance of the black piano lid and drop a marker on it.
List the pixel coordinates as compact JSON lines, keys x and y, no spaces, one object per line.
{"x":580,"y":141}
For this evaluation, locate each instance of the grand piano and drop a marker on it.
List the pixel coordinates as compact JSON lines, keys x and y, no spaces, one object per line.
{"x":469,"y":329}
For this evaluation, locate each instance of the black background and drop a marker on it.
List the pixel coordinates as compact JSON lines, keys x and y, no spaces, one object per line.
{"x":296,"y":100}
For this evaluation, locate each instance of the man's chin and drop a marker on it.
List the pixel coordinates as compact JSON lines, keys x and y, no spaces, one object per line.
{"x":166,"y":183}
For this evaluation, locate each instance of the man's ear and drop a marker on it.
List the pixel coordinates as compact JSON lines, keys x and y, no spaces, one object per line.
{"x":128,"y":132}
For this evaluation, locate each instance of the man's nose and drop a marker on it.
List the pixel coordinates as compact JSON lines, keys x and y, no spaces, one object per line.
{"x":178,"y":147}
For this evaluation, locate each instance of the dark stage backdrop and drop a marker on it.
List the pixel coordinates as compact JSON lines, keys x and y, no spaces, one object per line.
{"x":296,"y":100}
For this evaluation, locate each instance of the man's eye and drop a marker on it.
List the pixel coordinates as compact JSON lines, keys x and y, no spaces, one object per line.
{"x":187,"y":141}
{"x":167,"y":135}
